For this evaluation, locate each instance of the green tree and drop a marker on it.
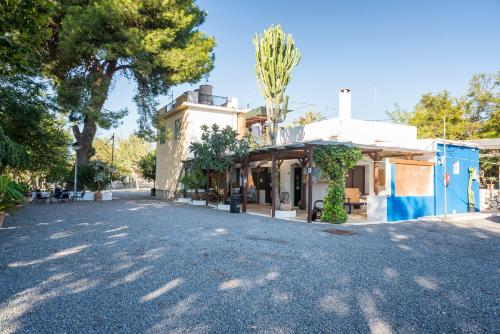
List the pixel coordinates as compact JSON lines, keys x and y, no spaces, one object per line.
{"x":429,"y":113}
{"x":476,"y":115}
{"x":11,"y":154}
{"x":147,"y":165}
{"x":153,"y":43}
{"x":29,"y":118}
{"x":25,"y":28}
{"x":483,"y":107}
{"x":399,"y":115}
{"x":218,"y":150}
{"x":431,"y":110}
{"x":335,"y":161}
{"x":309,"y":117}
{"x":275,"y":58}
{"x":128,"y":154}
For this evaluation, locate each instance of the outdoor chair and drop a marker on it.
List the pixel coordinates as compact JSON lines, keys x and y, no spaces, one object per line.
{"x":77,"y":196}
{"x":59,"y":195}
{"x":317,"y":210}
{"x":352,"y":198}
{"x":252,"y":194}
{"x":41,"y":197}
{"x":284,"y":197}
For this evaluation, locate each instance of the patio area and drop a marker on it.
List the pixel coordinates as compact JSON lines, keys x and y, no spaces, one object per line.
{"x":147,"y":266}
{"x":357,"y":216}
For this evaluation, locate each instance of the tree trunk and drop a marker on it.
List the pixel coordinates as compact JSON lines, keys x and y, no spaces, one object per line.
{"x":136,"y":181}
{"x":85,"y":139}
{"x":99,"y":94}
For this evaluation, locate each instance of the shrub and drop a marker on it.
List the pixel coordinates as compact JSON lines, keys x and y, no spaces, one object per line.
{"x":9,"y":194}
{"x":94,"y":175}
{"x":335,"y":161}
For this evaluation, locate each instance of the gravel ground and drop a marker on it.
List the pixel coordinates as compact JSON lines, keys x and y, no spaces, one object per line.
{"x":140,"y":265}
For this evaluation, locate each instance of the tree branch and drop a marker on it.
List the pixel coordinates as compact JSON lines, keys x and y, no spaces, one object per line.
{"x":123,"y":67}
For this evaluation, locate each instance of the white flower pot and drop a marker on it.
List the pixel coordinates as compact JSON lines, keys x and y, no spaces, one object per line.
{"x":285,"y":214}
{"x":107,"y":196}
{"x":198,"y":202}
{"x":223,"y":207}
{"x":88,"y":196}
{"x":183,"y":200}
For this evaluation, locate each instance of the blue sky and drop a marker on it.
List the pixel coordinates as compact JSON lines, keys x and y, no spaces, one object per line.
{"x":405,"y":48}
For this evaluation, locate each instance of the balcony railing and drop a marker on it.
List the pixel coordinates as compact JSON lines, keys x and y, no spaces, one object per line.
{"x":193,"y":97}
{"x":212,"y":100}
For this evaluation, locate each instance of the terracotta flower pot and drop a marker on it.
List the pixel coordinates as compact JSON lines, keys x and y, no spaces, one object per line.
{"x":98,"y":196}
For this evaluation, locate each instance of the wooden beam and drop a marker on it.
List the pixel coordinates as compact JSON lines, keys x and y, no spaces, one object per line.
{"x":273,"y":185}
{"x":376,"y":169}
{"x":245,"y":185}
{"x":412,"y":162}
{"x":303,"y":185}
{"x":257,"y":185}
{"x":309,"y":184}
{"x":207,"y":186}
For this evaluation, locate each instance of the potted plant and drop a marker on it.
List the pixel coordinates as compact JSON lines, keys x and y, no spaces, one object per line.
{"x":193,"y":180}
{"x":187,"y":183}
{"x":95,"y":177}
{"x":10,"y":197}
{"x":490,"y":183}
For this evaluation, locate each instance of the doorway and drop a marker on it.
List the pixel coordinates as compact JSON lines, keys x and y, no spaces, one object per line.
{"x":262,"y":181}
{"x":297,"y":185}
{"x":356,"y":178}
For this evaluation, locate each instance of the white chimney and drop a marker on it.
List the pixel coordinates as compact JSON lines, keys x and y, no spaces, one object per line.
{"x":345,"y":103}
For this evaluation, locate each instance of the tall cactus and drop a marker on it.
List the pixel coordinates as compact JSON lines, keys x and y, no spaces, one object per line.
{"x":275,"y":56}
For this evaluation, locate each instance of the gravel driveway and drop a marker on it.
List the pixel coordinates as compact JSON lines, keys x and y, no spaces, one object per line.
{"x":140,"y":265}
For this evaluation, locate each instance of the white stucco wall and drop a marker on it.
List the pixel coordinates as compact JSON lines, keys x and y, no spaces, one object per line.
{"x":350,"y":130}
{"x":197,"y":118}
{"x":369,"y":132}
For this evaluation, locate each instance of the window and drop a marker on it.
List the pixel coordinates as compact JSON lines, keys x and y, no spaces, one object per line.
{"x":414,"y":178}
{"x":162,"y":135}
{"x":177,"y":129}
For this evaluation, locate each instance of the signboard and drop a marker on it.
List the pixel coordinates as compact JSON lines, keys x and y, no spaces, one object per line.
{"x":456,"y":167}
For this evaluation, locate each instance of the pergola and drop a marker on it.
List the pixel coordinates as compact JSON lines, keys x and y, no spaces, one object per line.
{"x":303,"y":152}
{"x":490,"y":148}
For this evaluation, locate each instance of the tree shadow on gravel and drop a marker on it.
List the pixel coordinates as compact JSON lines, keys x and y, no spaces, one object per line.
{"x":151,"y":266}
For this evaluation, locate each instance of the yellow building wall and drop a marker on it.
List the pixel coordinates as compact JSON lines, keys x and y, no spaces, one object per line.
{"x":170,"y":156}
{"x":173,"y":152}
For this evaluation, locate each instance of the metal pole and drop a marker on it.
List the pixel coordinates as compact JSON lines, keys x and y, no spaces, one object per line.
{"x":112,"y":159}
{"x":76,"y":167}
{"x":444,"y":169}
{"x":309,"y":184}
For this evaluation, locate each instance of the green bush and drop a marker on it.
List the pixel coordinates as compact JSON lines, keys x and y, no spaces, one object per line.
{"x":21,"y":187}
{"x":94,"y":175}
{"x":335,"y":161}
{"x":148,"y":166}
{"x":9,"y":194}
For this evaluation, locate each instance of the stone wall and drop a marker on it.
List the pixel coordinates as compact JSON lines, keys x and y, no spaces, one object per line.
{"x":490,"y":200}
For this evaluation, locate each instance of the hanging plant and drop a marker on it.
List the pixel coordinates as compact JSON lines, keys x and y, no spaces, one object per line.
{"x":335,"y":161}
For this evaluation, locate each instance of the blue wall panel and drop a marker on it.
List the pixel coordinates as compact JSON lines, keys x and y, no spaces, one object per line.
{"x":407,"y":207}
{"x":457,"y":198}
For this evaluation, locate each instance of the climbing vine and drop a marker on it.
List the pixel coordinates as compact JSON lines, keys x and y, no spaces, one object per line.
{"x":335,"y":161}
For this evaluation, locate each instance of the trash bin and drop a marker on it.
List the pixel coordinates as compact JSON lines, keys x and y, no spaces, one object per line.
{"x":235,"y":203}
